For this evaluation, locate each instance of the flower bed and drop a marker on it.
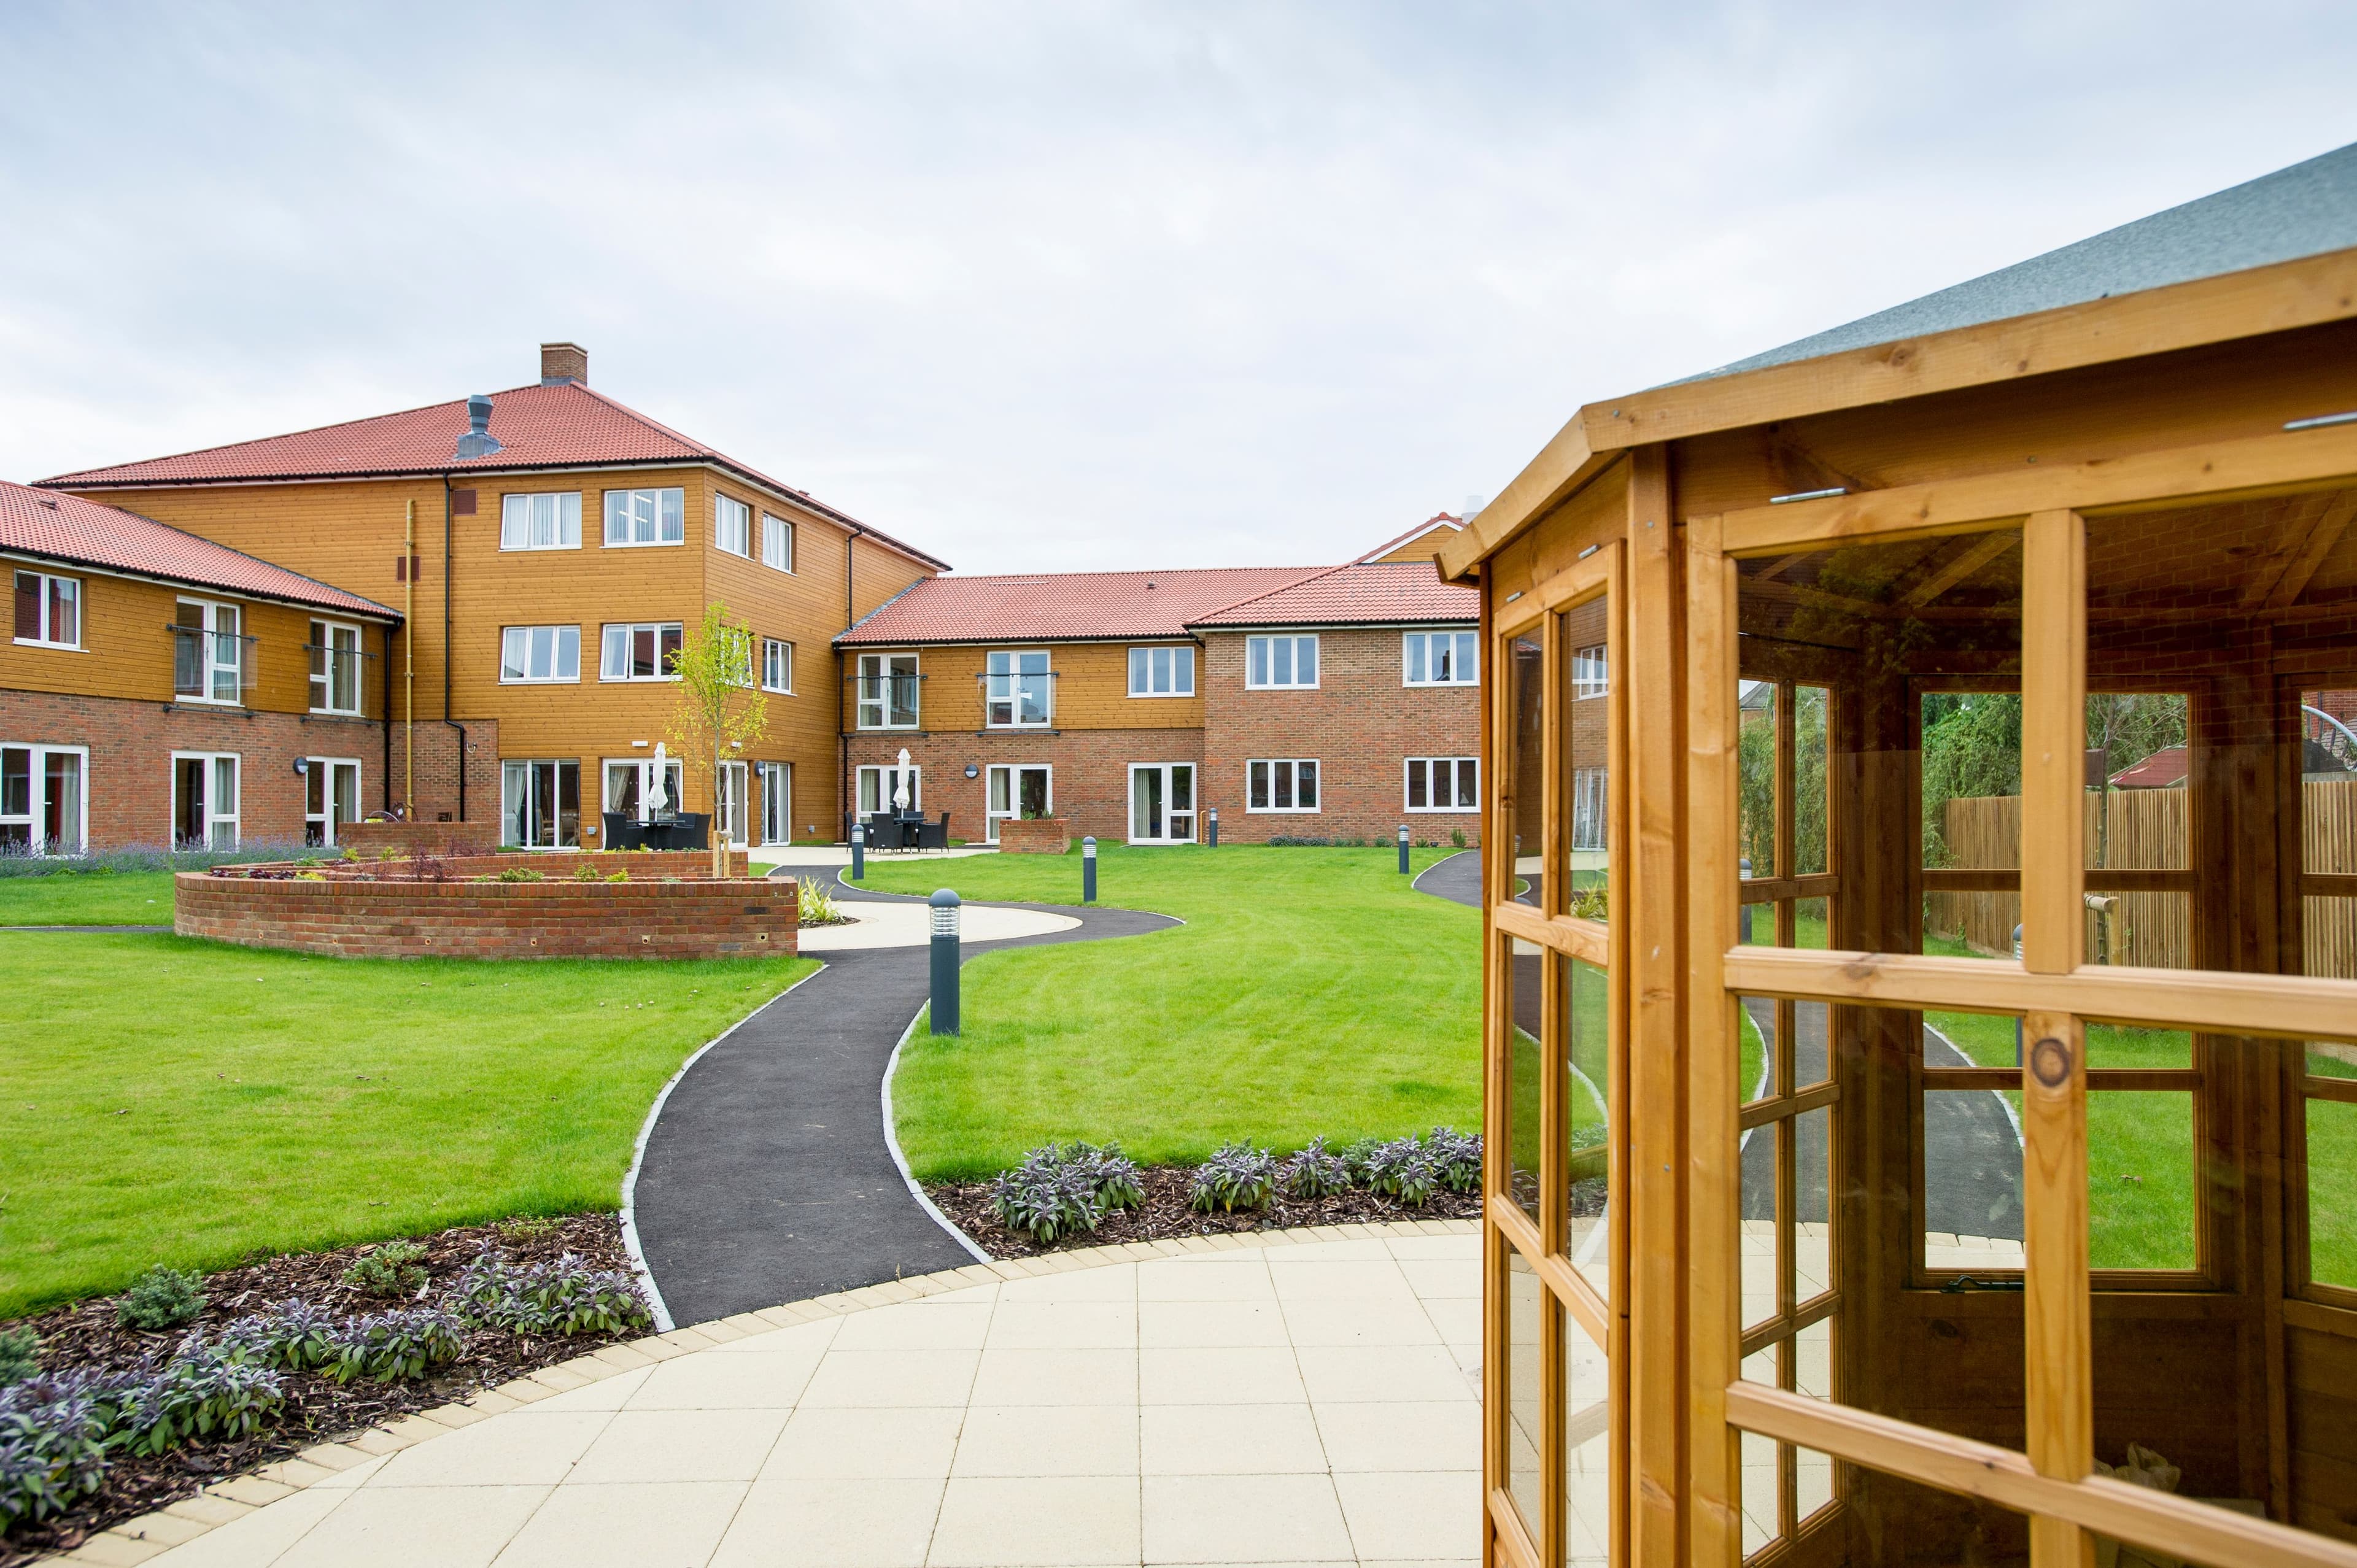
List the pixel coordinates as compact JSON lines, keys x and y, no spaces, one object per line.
{"x":661,"y":904}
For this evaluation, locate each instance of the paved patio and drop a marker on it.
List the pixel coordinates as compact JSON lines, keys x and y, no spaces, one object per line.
{"x":1303,"y":1398}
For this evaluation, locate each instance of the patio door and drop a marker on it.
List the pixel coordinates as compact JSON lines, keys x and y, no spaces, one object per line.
{"x":877,"y":786}
{"x":729,"y":806}
{"x":629,"y":785}
{"x":777,"y":802}
{"x":1018,"y":790}
{"x":42,"y":809}
{"x":204,"y":800}
{"x":540,"y":804}
{"x":1162,"y":802}
{"x":331,"y":799}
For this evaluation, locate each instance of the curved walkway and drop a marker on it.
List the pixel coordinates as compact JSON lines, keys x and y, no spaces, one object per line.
{"x":766,"y":1175}
{"x":1297,"y":1396}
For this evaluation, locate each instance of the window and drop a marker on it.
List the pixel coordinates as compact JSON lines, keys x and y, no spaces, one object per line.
{"x":641,"y":651}
{"x":777,"y":665}
{"x":1018,"y":690}
{"x":877,"y":786}
{"x":732,"y":526}
{"x":1021,"y":790}
{"x":1587,"y":819}
{"x":887,"y":691}
{"x":737,"y":649}
{"x":204,"y":800}
{"x":1161,"y":672}
{"x":210,"y":662}
{"x":730,"y":801}
{"x":1587,"y":673}
{"x":1278,"y":662}
{"x":646,"y":517}
{"x":1440,"y":658}
{"x":533,"y":653}
{"x":1283,"y":786}
{"x":1444,"y":784}
{"x":49,"y":609}
{"x":540,"y":803}
{"x":331,"y":798}
{"x":43,"y":810}
{"x":1162,"y":802}
{"x":776,"y":801}
{"x":777,"y":543}
{"x":541,"y":522}
{"x":631,"y":787}
{"x":335,"y":649}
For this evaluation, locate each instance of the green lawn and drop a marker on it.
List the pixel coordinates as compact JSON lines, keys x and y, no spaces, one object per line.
{"x":1312,"y":990}
{"x":171,"y":1101}
{"x":88,"y":898}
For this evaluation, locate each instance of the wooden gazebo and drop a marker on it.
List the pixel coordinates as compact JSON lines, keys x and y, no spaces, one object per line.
{"x":1921,"y":929}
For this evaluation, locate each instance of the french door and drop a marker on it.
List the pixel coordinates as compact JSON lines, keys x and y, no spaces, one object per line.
{"x":1018,"y":790}
{"x":630,"y":787}
{"x":331,"y":799}
{"x":43,"y":810}
{"x":1162,"y":802}
{"x":541,"y":804}
{"x":730,"y":791}
{"x":204,"y":800}
{"x":777,"y":802}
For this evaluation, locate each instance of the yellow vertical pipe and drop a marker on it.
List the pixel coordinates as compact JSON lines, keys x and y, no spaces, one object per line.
{"x":409,"y":662}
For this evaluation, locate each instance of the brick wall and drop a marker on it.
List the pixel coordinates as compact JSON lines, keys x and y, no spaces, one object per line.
{"x":371,"y":840}
{"x":1089,"y":786}
{"x":438,"y":773}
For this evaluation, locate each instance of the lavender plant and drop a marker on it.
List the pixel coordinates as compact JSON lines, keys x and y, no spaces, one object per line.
{"x":202,"y":1390}
{"x":402,"y":1343}
{"x":52,"y":1447}
{"x":1237,"y":1176}
{"x":1403,"y":1169}
{"x":293,"y":1334}
{"x":566,"y":1296}
{"x":1315,"y":1172}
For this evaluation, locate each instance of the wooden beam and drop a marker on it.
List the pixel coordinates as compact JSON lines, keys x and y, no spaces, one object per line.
{"x":2291,"y":533}
{"x":1959,"y":566}
{"x":1561,"y":467}
{"x":2057,"y":1339}
{"x":2321,"y":541}
{"x":2053,"y":741}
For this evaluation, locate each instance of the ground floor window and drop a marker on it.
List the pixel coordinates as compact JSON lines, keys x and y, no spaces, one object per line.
{"x":540,"y":803}
{"x":1018,"y":790}
{"x":878,"y":787}
{"x":1587,"y":808}
{"x":777,"y":802}
{"x":1444,"y":784}
{"x":204,"y":799}
{"x":730,"y":800}
{"x":631,"y":787}
{"x":1284,"y":785}
{"x":331,"y":800}
{"x":1162,"y":802}
{"x":43,"y":810}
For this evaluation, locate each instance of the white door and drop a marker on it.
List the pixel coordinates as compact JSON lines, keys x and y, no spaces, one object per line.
{"x":331,"y":799}
{"x":1021,"y":790}
{"x":728,"y":820}
{"x":1162,"y":802}
{"x":777,"y":802}
{"x":43,"y":810}
{"x":204,"y":800}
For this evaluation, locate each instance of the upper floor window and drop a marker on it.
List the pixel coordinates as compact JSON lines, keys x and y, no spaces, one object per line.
{"x":1017,"y":689}
{"x":732,"y":526}
{"x":541,"y":522}
{"x":777,"y":543}
{"x":49,"y":609}
{"x":1161,"y":672}
{"x":532,"y":654}
{"x":646,"y":517}
{"x":887,"y":691}
{"x":777,"y":665}
{"x":1588,"y":676}
{"x":1441,"y":659}
{"x":335,"y":651}
{"x":210,"y":661}
{"x":1277,"y":661}
{"x":641,"y":651}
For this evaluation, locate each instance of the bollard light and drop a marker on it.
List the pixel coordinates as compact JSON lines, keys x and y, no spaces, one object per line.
{"x":1215,"y":827}
{"x":944,"y":907}
{"x":858,"y":852}
{"x":1089,"y":870}
{"x":1743,"y":913}
{"x":1402,"y":843}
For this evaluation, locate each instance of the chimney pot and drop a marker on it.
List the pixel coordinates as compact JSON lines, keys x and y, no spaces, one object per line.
{"x":562,"y":362}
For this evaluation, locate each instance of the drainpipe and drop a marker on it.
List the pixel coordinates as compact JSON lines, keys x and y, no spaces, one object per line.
{"x":386,"y":633}
{"x":841,"y":733}
{"x":446,"y":719}
{"x":408,"y":665}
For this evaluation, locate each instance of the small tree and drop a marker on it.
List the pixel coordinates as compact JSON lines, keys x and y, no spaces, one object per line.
{"x":720,"y":706}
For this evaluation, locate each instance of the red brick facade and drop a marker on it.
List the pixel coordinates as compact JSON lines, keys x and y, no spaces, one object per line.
{"x":1089,"y":786}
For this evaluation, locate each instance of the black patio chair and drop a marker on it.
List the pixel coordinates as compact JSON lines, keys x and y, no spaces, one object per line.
{"x":934,"y":835}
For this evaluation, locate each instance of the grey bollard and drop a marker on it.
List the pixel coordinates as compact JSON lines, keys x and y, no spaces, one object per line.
{"x":1089,"y":870}
{"x":945,"y":906}
{"x":1402,"y":843}
{"x":1744,"y":918}
{"x":1215,"y":827}
{"x":858,"y":852}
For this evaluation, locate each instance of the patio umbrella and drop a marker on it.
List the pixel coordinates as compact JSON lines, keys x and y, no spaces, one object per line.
{"x":657,"y":795}
{"x":900,"y":783}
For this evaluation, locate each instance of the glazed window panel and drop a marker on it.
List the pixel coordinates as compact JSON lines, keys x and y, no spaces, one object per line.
{"x":1527,"y":966}
{"x":1590,"y":1087}
{"x":1522,"y":812}
{"x":1527,"y":1308}
{"x":1587,"y":752}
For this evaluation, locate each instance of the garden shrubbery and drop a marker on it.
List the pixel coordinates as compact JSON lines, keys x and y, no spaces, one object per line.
{"x":1065,"y":1190}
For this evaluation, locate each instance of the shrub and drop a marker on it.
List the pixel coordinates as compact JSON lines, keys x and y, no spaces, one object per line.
{"x":52,"y":1447}
{"x":1403,"y":1169}
{"x":1237,"y":1176}
{"x":161,"y":1298}
{"x":816,"y":907}
{"x":566,"y":1296}
{"x":1112,"y":1175}
{"x":1457,"y":837}
{"x":1315,"y":1172}
{"x":201,"y":1391}
{"x":390,"y":1270}
{"x":20,"y":1355}
{"x":294,"y":1334}
{"x":1456,"y":1158}
{"x":586,"y":872}
{"x":402,"y":1343}
{"x":1046,"y":1198}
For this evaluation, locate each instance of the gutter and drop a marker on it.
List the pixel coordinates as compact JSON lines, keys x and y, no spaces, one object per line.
{"x":447,"y":659}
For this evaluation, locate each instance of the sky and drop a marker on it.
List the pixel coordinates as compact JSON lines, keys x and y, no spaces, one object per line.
{"x":1041,"y":287}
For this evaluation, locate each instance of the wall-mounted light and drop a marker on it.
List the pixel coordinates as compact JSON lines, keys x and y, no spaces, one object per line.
{"x":639,"y":743}
{"x":302,"y":766}
{"x":972,"y":771}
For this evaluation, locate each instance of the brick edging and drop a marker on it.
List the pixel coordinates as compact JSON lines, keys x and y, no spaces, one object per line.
{"x":135,"y":1541}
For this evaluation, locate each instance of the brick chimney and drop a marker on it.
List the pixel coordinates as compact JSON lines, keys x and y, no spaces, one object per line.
{"x":562,"y":362}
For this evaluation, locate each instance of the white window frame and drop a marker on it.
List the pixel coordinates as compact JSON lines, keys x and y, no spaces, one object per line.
{"x":883,"y":668}
{"x":641,"y":769}
{"x":326,"y":767}
{"x":1459,"y":652}
{"x":516,"y":650}
{"x":48,"y":581}
{"x":1141,"y":669}
{"x":36,"y":796}
{"x":208,"y":662}
{"x":326,"y":637}
{"x":1013,"y":771}
{"x":1168,"y":770}
{"x":777,"y":665}
{"x":732,"y":525}
{"x":1589,"y":824}
{"x":777,"y":797}
{"x":1291,"y":775}
{"x":1590,"y":675}
{"x":884,"y":777}
{"x":215,"y":819}
{"x":669,"y":521}
{"x":1260,"y":662}
{"x":511,"y":767}
{"x":1002,"y":687}
{"x":732,"y":803}
{"x":630,"y":630}
{"x":777,"y":543}
{"x":533,"y":526}
{"x":1455,"y":766}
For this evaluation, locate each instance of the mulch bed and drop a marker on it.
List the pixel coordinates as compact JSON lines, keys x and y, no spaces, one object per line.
{"x":86,"y":1335}
{"x":1166,"y":1213}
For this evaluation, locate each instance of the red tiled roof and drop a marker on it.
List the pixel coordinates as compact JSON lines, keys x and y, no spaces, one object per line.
{"x":561,"y":426}
{"x":2163,"y":769}
{"x":83,"y":533}
{"x":1376,"y":593}
{"x":1062,"y":606}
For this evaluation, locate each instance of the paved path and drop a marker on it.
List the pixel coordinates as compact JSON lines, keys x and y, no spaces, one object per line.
{"x":767,"y":1177}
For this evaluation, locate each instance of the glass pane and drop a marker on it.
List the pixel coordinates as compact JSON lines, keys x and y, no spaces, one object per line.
{"x":2332,"y":1192}
{"x":1755,"y":1066}
{"x":1812,"y":844}
{"x":1588,"y":1125}
{"x":1812,"y":1204}
{"x":2140,"y":1179}
{"x":1761,"y":1509}
{"x":1525,"y":1379}
{"x":1758,"y":1252}
{"x":1588,"y":1448}
{"x":2136,"y":770}
{"x":1971,"y":1180}
{"x":2327,"y":935}
{"x":1755,"y":756}
{"x":1587,"y":755}
{"x":2151,"y":929}
{"x":1520,"y":812}
{"x":1524,"y":1072}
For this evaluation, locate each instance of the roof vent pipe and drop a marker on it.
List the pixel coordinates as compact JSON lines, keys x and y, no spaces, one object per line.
{"x":479,"y":441}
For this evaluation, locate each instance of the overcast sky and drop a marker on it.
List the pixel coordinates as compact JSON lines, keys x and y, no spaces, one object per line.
{"x":1041,"y":285}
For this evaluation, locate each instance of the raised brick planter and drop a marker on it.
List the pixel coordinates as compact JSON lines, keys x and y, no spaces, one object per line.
{"x":670,"y":907}
{"x":373,"y":839}
{"x":1039,"y":835}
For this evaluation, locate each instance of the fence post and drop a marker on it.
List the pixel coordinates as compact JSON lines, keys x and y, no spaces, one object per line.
{"x":945,"y":906}
{"x":858,"y":852}
{"x":1089,"y":869}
